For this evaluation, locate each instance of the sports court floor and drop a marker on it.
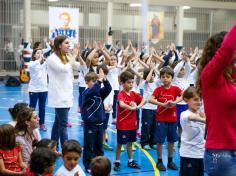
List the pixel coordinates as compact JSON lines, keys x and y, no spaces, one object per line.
{"x":10,"y":95}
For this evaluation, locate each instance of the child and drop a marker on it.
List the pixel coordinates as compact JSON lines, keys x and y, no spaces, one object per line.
{"x":93,"y":115}
{"x":48,"y":143}
{"x":165,"y":97}
{"x":14,"y":112}
{"x":192,"y":138}
{"x":11,"y":162}
{"x":148,"y":110}
{"x":126,"y":118}
{"x":71,"y":153}
{"x":38,"y":84}
{"x":100,"y":166}
{"x":42,"y":163}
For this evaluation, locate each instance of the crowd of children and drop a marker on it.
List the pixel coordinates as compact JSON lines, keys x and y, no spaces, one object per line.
{"x":124,"y":84}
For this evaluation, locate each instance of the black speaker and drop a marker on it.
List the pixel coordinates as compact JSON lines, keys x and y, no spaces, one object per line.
{"x":11,"y":81}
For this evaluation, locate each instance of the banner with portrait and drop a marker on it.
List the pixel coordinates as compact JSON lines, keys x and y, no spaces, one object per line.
{"x":155,"y":26}
{"x":64,"y":21}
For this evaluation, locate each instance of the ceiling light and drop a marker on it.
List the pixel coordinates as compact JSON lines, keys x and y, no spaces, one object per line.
{"x":186,"y":7}
{"x":52,"y":0}
{"x":135,"y":5}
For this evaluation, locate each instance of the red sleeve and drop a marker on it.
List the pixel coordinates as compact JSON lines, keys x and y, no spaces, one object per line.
{"x":138,"y":98}
{"x":120,"y":97}
{"x":223,"y":57}
{"x":19,"y":148}
{"x":156,"y":92}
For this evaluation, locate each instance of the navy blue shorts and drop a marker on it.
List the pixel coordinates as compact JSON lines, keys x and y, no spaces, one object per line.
{"x":166,"y":129}
{"x":125,"y":136}
{"x":179,"y":109}
{"x":105,"y":123}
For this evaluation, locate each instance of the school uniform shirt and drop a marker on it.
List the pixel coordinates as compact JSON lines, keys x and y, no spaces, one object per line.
{"x":163,"y":95}
{"x":148,"y":89}
{"x":192,"y":137}
{"x":60,"y":86}
{"x":182,"y":83}
{"x":83,"y":70}
{"x":126,"y":119}
{"x":10,"y":158}
{"x":38,"y":77}
{"x":62,"y":171}
{"x":113,"y":78}
{"x":219,"y":97}
{"x":109,"y":100}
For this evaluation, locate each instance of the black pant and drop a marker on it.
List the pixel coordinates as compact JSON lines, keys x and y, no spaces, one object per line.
{"x":191,"y":167}
{"x":93,"y":135}
{"x":148,"y":126}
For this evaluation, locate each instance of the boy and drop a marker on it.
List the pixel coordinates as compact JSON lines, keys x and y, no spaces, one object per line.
{"x":100,"y":166}
{"x":165,"y":97}
{"x":126,"y":118}
{"x":192,"y":137}
{"x":71,"y":153}
{"x":93,"y":115}
{"x":148,"y":110}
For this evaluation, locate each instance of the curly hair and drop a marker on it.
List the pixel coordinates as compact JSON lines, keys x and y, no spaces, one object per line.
{"x":210,"y":48}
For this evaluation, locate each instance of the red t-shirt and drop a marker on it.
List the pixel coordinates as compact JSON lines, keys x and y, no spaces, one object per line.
{"x":163,"y":95}
{"x":10,"y":159}
{"x":126,"y":119}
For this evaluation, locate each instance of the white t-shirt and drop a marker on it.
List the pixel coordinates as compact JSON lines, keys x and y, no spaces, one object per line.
{"x":148,"y":89}
{"x":83,"y":70}
{"x":62,"y":171}
{"x":38,"y":77}
{"x":112,"y":77}
{"x":192,"y":137}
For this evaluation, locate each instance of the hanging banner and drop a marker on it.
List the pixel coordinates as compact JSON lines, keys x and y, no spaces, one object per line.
{"x":64,"y":21}
{"x":155,"y":26}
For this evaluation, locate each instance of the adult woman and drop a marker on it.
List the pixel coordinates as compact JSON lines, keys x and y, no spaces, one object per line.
{"x":217,"y":87}
{"x":38,"y":86}
{"x":60,"y":86}
{"x":27,"y":121}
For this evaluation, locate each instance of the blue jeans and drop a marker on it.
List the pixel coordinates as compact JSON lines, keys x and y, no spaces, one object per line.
{"x":220,"y":162}
{"x":59,"y":129}
{"x":34,"y":97}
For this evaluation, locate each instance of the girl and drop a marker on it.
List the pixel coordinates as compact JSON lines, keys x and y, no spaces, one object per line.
{"x":112,"y":77}
{"x":27,"y":121}
{"x":181,"y":79}
{"x":38,"y":86}
{"x":192,"y":137}
{"x":11,"y":162}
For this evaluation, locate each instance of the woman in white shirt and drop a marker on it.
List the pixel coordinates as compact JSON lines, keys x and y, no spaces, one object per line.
{"x":38,"y":86}
{"x":60,"y":86}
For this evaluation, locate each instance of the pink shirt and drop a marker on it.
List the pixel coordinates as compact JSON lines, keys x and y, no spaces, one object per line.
{"x":219,"y":96}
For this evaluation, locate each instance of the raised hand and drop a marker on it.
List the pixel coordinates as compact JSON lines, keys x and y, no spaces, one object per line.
{"x":101,"y":75}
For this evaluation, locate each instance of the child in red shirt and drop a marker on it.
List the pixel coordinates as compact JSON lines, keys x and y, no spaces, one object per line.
{"x":165,"y":97}
{"x":11,"y":162}
{"x":128,"y":103}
